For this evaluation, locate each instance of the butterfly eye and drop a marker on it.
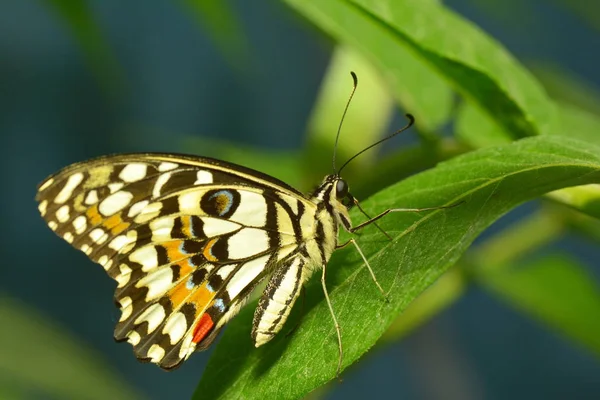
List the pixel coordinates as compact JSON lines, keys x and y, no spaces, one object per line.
{"x":341,"y":189}
{"x":348,"y":201}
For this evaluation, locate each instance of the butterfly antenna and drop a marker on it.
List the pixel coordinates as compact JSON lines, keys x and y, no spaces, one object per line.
{"x":337,"y":137}
{"x":411,"y":121}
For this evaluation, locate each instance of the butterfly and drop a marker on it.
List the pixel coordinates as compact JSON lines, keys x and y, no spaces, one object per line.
{"x":188,"y":238}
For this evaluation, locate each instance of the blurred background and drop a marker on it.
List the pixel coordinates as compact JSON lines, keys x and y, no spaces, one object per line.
{"x":237,"y":80}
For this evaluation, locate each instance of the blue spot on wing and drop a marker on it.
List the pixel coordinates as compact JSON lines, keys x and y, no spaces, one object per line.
{"x":220,"y":305}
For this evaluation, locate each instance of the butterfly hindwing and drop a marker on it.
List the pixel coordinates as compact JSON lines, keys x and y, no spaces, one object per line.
{"x":186,"y":239}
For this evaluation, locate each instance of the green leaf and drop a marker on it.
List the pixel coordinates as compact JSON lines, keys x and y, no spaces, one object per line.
{"x":370,"y":113}
{"x":477,"y":129}
{"x":490,"y":181}
{"x":38,"y":356}
{"x":585,"y":198}
{"x":413,"y":84}
{"x":556,"y":291}
{"x":475,"y":64}
{"x":575,"y":122}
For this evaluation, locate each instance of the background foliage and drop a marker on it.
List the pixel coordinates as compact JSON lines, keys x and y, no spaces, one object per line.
{"x":517,"y":314}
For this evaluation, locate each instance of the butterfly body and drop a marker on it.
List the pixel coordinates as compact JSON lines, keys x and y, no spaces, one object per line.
{"x":188,"y":239}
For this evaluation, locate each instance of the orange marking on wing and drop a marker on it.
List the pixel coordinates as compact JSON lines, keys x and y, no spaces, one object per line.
{"x":178,"y":294}
{"x":201,"y":296}
{"x":207,"y":250}
{"x":185,"y":267}
{"x":186,"y":222}
{"x":116,"y":224}
{"x":203,"y":328}
{"x":93,"y":215}
{"x":173,"y":249}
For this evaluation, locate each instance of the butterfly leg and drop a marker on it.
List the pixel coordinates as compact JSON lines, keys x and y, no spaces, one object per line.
{"x":353,"y":241}
{"x":391,"y":210}
{"x":335,"y":321}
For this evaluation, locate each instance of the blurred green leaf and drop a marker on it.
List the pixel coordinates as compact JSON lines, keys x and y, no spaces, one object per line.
{"x":584,"y":198}
{"x":491,"y":181}
{"x":475,"y":128}
{"x":218,"y":19}
{"x":575,"y":122}
{"x":570,"y":122}
{"x":41,"y":357}
{"x":411,"y":82}
{"x":476,"y":65}
{"x":556,"y":291}
{"x":369,"y":115}
{"x":78,"y":17}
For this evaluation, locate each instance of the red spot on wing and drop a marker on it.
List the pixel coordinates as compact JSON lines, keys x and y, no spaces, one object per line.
{"x":203,"y":328}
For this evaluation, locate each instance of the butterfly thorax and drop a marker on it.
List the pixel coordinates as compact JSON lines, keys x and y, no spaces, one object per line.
{"x":331,"y":213}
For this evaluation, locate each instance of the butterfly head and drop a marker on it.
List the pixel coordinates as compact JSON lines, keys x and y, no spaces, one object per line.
{"x":334,"y":194}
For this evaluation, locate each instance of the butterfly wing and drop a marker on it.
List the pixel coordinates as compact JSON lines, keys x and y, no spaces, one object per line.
{"x":186,"y":239}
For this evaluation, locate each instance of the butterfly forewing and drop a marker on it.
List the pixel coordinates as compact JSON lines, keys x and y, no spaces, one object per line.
{"x":186,"y":239}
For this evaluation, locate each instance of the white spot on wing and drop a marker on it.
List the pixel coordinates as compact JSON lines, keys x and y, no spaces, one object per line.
{"x":133,"y":338}
{"x":187,"y":347}
{"x":67,"y":191}
{"x":115,"y":203}
{"x":68,"y":237}
{"x":161,"y":228}
{"x":216,"y":227}
{"x":133,"y":172}
{"x":146,"y":256}
{"x":175,"y":327}
{"x":149,"y":212}
{"x":123,"y":278}
{"x":252,"y":210}
{"x":160,"y":182}
{"x":91,"y":198}
{"x":189,"y":202}
{"x":137,"y":208}
{"x":167,"y":166}
{"x":157,"y":282}
{"x":115,"y":187}
{"x":53,"y":225}
{"x":103,"y":260}
{"x":247,"y":242}
{"x":247,"y":273}
{"x":46,"y":184}
{"x":86,"y":249}
{"x":203,"y":178}
{"x":156,"y":353}
{"x":98,"y":236}
{"x":42,"y":207}
{"x":62,"y":214}
{"x":126,"y":308}
{"x":119,"y":242}
{"x":154,"y":315}
{"x":79,"y":224}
